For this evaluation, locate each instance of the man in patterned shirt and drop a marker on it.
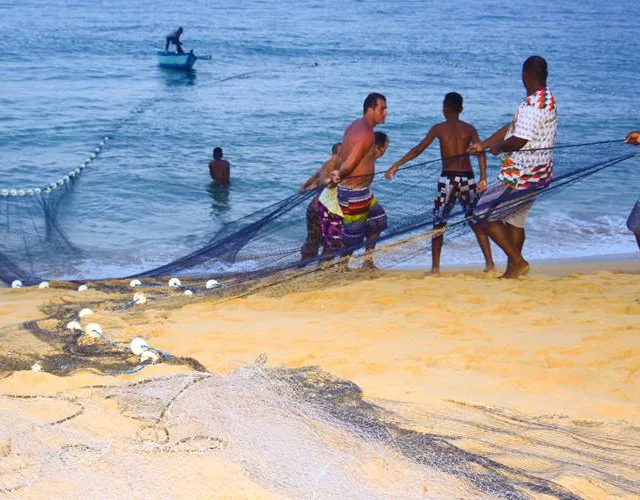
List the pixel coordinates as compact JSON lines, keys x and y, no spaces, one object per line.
{"x":633,"y":222}
{"x":527,"y":166}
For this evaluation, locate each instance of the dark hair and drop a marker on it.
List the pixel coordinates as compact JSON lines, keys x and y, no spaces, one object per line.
{"x":536,"y":66}
{"x":454,"y":101}
{"x":381,"y":139}
{"x":217,"y":153}
{"x":372,"y":101}
{"x":334,"y":148}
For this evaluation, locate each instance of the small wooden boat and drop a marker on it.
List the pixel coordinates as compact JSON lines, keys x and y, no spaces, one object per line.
{"x":174,"y":60}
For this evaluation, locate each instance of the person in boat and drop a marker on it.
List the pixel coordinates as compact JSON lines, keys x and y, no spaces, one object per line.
{"x":174,"y":38}
{"x":527,"y":165}
{"x":457,"y":182}
{"x":321,"y":178}
{"x":633,"y":222}
{"x":219,"y":169}
{"x":364,"y":217}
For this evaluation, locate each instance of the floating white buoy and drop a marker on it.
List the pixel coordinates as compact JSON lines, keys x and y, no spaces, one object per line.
{"x":87,"y":163}
{"x":60,"y":182}
{"x":149,"y":356}
{"x":189,"y":293}
{"x":16,"y":284}
{"x":36,"y":367}
{"x":29,"y":192}
{"x":92,"y":156}
{"x":20,"y":192}
{"x":4,"y":192}
{"x":13,"y":192}
{"x":93,"y":330}
{"x":134,"y":283}
{"x":85,"y":312}
{"x":139,"y":298}
{"x":76,"y":171}
{"x":97,"y":150}
{"x":174,"y":283}
{"x":74,"y":325}
{"x":44,"y":284}
{"x":37,"y":190}
{"x":47,"y":190}
{"x":212,"y":284}
{"x":138,"y":346}
{"x":65,"y":179}
{"x":106,"y":138}
{"x":83,"y":288}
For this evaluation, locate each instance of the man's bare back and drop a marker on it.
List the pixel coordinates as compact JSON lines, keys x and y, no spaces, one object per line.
{"x":219,"y":169}
{"x":359,"y":135}
{"x":455,"y":137}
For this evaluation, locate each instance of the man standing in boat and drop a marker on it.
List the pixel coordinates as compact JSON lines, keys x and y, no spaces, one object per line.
{"x":174,"y":38}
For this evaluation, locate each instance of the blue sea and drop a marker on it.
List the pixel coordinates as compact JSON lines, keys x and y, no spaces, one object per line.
{"x":284,"y":81}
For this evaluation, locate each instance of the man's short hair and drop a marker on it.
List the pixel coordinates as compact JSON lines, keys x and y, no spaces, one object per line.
{"x":536,"y":66}
{"x":381,"y":139}
{"x":372,"y":101}
{"x":454,"y":101}
{"x":217,"y":153}
{"x":335,"y":147}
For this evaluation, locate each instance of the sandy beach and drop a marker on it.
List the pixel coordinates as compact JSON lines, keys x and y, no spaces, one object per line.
{"x":559,"y":347}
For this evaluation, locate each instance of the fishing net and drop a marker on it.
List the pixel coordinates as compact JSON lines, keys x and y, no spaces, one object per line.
{"x":297,"y":434}
{"x":36,"y":246}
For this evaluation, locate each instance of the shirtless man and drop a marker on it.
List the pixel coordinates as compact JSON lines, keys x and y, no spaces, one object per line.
{"x":633,"y":222}
{"x":363,"y":215}
{"x":219,"y":169}
{"x":456,"y":180}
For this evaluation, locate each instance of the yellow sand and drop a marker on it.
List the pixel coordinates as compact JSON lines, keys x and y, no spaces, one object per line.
{"x":564,"y":341}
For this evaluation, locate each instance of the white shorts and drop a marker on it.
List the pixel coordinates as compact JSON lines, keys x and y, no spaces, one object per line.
{"x":501,"y":203}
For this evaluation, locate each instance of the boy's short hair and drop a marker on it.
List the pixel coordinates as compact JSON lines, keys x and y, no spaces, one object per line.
{"x":381,"y":139}
{"x":217,"y":153}
{"x":454,"y":101}
{"x":335,"y":147}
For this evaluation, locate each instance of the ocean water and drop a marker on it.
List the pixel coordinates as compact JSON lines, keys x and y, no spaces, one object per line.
{"x":283,"y":83}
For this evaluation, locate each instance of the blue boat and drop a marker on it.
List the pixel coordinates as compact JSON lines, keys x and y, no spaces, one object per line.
{"x":174,"y":60}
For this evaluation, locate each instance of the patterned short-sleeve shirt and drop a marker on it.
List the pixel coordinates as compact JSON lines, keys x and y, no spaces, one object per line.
{"x":536,"y":120}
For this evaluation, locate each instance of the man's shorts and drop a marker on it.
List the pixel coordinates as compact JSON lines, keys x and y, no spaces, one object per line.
{"x":501,"y":203}
{"x":454,"y":187}
{"x":633,"y":222}
{"x":363,"y":215}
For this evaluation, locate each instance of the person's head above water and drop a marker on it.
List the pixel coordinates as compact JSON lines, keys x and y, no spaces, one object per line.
{"x":452,"y":103}
{"x":179,"y":30}
{"x":335,"y":149}
{"x":217,"y":153}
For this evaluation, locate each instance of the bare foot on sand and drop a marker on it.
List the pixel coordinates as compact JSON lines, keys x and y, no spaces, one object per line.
{"x":368,"y":265}
{"x":516,"y":270}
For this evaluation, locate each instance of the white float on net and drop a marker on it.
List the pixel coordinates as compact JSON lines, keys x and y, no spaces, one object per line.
{"x":93,"y":330}
{"x":44,"y":284}
{"x":188,"y":293}
{"x":85,"y":312}
{"x":212,"y":284}
{"x":74,"y":325}
{"x":139,"y":298}
{"x":135,"y":283}
{"x":175,"y":283}
{"x":138,"y":346}
{"x":83,"y":288}
{"x":16,"y":284}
